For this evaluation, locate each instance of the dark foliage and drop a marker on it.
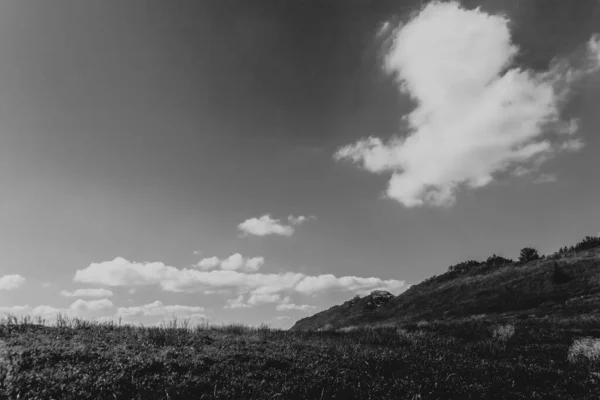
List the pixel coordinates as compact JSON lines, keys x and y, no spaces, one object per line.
{"x":528,"y":254}
{"x":588,"y":243}
{"x":463,"y":267}
{"x":450,"y":361}
{"x":559,"y":276}
{"x":497,"y":261}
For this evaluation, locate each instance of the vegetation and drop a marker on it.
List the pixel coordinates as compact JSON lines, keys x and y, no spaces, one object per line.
{"x":494,"y":330}
{"x":474,"y":358}
{"x":588,"y":243}
{"x":528,"y":254}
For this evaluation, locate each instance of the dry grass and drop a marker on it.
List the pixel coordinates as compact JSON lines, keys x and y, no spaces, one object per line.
{"x":76,"y":359}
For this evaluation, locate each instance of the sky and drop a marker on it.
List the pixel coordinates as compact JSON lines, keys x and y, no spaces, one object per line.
{"x":257,"y":162}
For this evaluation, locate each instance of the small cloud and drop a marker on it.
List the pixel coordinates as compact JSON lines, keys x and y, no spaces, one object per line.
{"x":11,"y":282}
{"x":573,"y":145}
{"x":238,"y":302}
{"x":254,"y":264}
{"x":46,"y":284}
{"x":209,"y":263}
{"x":233,"y":262}
{"x":545,"y":178}
{"x":91,"y":305}
{"x":291,"y":307}
{"x":198,"y":252}
{"x":87,"y":293}
{"x":265,"y":225}
{"x":282,"y":318}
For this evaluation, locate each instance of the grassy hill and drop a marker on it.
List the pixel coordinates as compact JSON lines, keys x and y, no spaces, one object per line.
{"x":492,"y":330}
{"x":564,"y":284}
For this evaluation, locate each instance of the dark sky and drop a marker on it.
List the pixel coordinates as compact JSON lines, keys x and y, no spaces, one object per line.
{"x":148,"y":130}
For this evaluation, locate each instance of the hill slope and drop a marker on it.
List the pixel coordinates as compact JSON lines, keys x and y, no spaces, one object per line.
{"x":564,"y":285}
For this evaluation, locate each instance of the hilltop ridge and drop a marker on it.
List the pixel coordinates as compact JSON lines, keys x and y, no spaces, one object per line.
{"x":564,"y":283}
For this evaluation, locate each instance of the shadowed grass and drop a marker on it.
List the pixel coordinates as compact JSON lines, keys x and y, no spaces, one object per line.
{"x":474,"y":358}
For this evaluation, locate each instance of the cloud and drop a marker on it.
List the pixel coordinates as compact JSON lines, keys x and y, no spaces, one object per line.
{"x":121,"y":272}
{"x":254,"y":264}
{"x":265,"y":225}
{"x":158,"y":309}
{"x":314,"y":284}
{"x":11,"y":282}
{"x":209,"y":263}
{"x":233,"y":263}
{"x":476,"y":115}
{"x":545,"y":178}
{"x":291,"y":306}
{"x":91,"y":305}
{"x":238,"y":302}
{"x":87,"y":293}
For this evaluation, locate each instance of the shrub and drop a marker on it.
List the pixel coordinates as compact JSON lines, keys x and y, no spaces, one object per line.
{"x":528,"y":254}
{"x":585,"y":349}
{"x":497,"y":261}
{"x":463,"y":267}
{"x":503,"y":332}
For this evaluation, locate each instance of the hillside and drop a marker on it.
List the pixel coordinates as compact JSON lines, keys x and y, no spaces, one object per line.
{"x":564,"y":284}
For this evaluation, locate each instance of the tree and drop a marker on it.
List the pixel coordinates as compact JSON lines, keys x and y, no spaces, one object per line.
{"x":528,"y":254}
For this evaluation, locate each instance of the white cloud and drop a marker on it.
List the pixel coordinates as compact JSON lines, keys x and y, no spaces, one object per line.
{"x":315,"y":284}
{"x":121,"y":272}
{"x":238,"y":302}
{"x":209,"y":263}
{"x":158,"y":309}
{"x":594,"y":52}
{"x":475,"y":117}
{"x":233,"y":262}
{"x":265,"y":225}
{"x":263,"y":298}
{"x":11,"y":282}
{"x":87,"y":293}
{"x":91,"y":305}
{"x":254,"y":264}
{"x":291,"y":306}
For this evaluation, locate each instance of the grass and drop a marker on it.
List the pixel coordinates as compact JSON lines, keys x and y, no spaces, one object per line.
{"x":472,"y":358}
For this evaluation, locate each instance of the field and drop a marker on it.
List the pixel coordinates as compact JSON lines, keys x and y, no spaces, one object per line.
{"x":475,"y":358}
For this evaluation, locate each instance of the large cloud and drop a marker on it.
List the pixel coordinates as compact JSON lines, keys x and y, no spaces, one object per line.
{"x":11,"y":282}
{"x":265,"y":225}
{"x":260,"y":287}
{"x":475,"y":116}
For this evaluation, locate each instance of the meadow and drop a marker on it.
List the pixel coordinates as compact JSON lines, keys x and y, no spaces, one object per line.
{"x":472,"y":358}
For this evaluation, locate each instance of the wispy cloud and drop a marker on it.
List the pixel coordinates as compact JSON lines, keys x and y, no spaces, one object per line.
{"x":11,"y":282}
{"x":265,"y":225}
{"x":475,"y":116}
{"x":87,"y":293}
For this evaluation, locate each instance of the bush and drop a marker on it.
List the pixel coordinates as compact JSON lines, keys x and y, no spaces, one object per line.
{"x":528,"y":254}
{"x":463,"y":267}
{"x":503,"y":332}
{"x":585,"y":349}
{"x":497,"y":261}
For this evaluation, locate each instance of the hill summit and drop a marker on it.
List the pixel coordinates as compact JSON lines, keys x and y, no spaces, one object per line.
{"x":565,"y":283}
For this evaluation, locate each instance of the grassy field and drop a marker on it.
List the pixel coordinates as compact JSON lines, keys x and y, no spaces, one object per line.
{"x":474,"y":358}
